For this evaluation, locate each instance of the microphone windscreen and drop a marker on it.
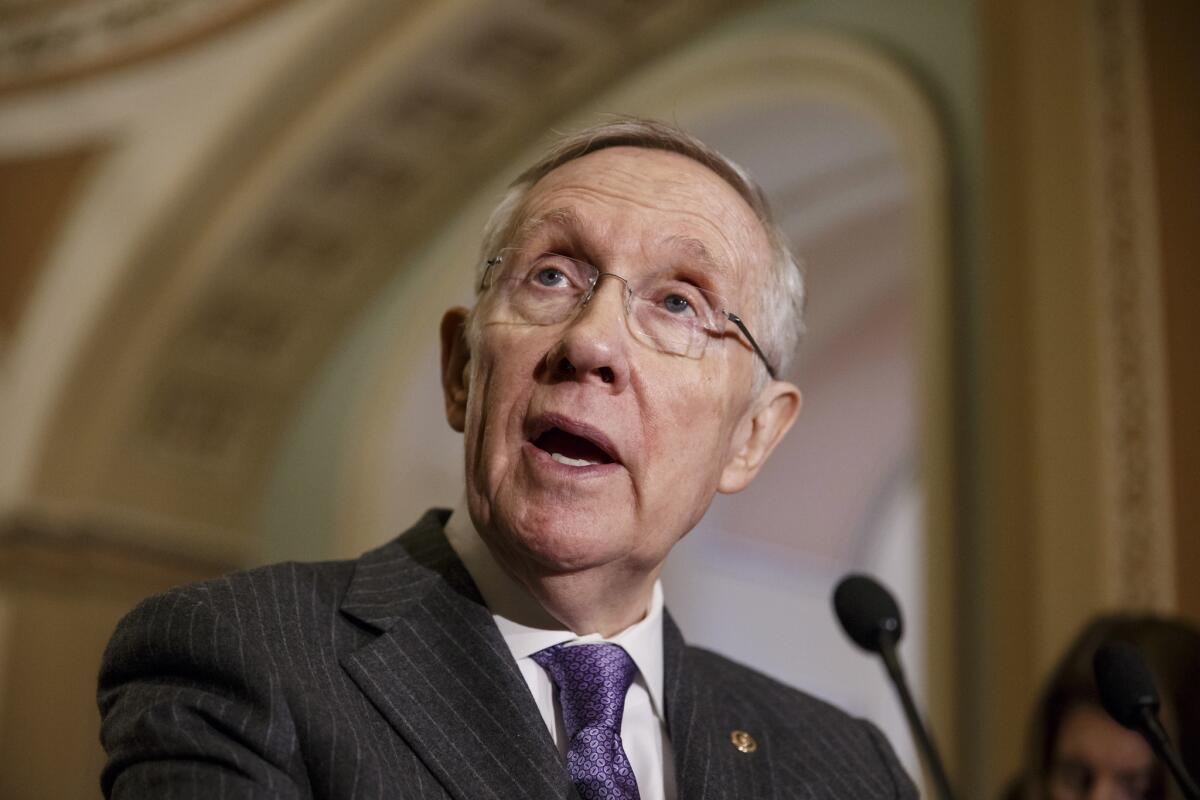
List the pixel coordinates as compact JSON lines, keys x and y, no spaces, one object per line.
{"x":866,"y":610}
{"x":1124,"y":682}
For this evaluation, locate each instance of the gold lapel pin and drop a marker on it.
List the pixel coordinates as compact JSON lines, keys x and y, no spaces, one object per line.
{"x":743,"y":741}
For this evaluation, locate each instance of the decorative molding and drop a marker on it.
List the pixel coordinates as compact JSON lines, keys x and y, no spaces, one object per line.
{"x":65,"y":541}
{"x":44,"y":42}
{"x":1132,"y":360}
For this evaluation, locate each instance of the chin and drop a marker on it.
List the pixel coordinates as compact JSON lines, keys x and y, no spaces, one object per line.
{"x":562,"y":539}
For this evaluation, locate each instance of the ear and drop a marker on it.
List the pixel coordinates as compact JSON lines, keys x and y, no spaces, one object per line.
{"x":769,"y":418}
{"x":455,"y":357}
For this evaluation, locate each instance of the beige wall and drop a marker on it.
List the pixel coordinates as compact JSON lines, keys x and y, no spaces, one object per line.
{"x":1172,"y":28}
{"x":61,"y":594}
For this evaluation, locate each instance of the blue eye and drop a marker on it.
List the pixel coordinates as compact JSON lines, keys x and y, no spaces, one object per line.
{"x":676,"y":304}
{"x":549,"y":277}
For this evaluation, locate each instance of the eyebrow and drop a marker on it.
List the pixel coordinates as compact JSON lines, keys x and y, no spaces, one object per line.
{"x":700,"y":253}
{"x":565,"y":218}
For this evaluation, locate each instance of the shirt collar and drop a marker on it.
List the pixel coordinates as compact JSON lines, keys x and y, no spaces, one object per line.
{"x":528,"y":628}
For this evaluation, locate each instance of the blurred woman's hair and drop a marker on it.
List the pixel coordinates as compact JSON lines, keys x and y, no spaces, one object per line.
{"x":1171,"y":649}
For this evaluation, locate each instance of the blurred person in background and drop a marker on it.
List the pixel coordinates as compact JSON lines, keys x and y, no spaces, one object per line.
{"x":1076,"y":751}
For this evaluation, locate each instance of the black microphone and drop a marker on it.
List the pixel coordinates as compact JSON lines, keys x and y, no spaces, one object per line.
{"x":871,"y":619}
{"x":1128,"y":694}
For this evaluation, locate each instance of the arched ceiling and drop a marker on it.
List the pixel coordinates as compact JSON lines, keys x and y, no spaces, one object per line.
{"x":46,"y":43}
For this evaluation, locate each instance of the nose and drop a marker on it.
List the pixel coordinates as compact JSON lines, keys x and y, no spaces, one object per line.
{"x":1105,"y":788}
{"x":595,"y":344}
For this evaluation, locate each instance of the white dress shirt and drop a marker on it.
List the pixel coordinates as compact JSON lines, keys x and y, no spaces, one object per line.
{"x":528,"y":628}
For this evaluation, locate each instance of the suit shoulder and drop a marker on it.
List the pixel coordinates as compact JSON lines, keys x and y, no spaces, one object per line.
{"x":296,"y":581}
{"x":257,"y":602}
{"x":748,"y":684}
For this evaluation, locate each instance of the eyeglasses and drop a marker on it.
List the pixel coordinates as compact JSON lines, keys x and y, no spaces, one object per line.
{"x":671,"y":315}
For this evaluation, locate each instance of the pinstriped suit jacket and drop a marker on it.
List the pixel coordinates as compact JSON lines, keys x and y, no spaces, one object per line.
{"x":386,"y":677}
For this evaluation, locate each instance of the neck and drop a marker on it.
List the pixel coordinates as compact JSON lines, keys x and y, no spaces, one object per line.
{"x":593,"y":601}
{"x":606,"y":599}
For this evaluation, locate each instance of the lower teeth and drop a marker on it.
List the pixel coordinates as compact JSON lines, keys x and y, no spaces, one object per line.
{"x":571,"y":462}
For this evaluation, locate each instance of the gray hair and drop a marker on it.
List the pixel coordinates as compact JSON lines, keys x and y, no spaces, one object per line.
{"x":778,"y":321}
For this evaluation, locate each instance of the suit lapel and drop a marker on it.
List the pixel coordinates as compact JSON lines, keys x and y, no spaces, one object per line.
{"x":701,"y":717}
{"x":442,"y":675}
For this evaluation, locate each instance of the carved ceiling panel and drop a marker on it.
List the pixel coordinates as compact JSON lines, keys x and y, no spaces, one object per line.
{"x":42,"y":42}
{"x":36,"y":193}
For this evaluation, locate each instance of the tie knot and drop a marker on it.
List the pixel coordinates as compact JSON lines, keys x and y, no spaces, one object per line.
{"x":592,"y":680}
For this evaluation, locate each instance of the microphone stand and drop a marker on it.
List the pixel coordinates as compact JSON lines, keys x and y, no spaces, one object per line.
{"x":887,"y":649}
{"x":1153,"y":732}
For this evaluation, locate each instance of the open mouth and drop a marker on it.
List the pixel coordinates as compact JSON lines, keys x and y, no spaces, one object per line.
{"x":570,"y":449}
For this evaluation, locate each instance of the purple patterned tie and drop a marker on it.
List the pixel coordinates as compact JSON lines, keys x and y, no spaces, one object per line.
{"x":592,"y":680}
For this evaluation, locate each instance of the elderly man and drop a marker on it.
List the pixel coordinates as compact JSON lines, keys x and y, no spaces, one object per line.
{"x":607,"y":385}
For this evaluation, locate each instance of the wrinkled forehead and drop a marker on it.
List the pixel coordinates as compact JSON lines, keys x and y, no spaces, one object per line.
{"x":654,"y":199}
{"x":566,"y":225}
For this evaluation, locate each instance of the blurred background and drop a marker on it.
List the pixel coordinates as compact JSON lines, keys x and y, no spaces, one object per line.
{"x":228,"y":230}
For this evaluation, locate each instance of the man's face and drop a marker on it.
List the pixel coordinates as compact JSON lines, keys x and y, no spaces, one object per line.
{"x":664,"y":430}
